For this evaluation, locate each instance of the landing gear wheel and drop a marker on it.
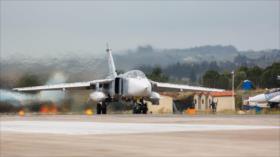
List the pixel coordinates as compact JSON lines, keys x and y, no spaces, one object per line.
{"x":137,"y":109}
{"x":144,"y":108}
{"x":98,"y":108}
{"x":134,"y":111}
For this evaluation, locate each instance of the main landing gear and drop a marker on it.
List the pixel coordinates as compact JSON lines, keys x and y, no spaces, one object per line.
{"x":101,"y":108}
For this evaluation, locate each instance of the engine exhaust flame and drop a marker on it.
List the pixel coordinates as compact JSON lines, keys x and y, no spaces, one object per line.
{"x":48,"y":109}
{"x":53,"y":109}
{"x":44,"y":109}
{"x":88,"y":112}
{"x":21,"y":112}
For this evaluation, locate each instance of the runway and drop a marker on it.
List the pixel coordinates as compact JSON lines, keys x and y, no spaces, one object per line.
{"x":88,"y":128}
{"x":139,"y":135}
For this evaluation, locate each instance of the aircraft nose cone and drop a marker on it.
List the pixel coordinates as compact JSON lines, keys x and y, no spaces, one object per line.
{"x":139,"y":88}
{"x":275,"y":99}
{"x":142,"y":90}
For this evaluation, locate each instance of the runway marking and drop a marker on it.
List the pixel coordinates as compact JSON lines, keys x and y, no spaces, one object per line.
{"x":86,"y":128}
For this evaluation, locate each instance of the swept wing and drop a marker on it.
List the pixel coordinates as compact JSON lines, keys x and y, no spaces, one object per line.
{"x":171,"y":87}
{"x":64,"y":86}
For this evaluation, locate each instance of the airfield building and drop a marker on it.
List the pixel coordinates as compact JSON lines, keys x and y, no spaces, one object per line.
{"x":224,"y":101}
{"x":165,"y":106}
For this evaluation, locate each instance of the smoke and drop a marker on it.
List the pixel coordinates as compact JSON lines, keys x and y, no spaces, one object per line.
{"x":55,"y":96}
{"x":20,"y":98}
{"x":15,"y":98}
{"x":56,"y":78}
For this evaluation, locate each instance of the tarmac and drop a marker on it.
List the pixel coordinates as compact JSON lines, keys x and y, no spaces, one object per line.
{"x":140,"y":135}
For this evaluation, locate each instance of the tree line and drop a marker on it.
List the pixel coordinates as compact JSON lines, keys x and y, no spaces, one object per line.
{"x":261,"y":78}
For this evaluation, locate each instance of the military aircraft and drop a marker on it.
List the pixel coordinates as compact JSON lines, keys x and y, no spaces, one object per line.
{"x":270,"y":97}
{"x":267,"y":96}
{"x":123,"y":87}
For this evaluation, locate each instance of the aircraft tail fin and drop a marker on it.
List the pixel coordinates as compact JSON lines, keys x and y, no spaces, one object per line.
{"x":112,"y":68}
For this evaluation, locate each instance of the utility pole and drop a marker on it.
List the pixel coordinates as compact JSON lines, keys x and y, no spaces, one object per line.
{"x":233,"y":87}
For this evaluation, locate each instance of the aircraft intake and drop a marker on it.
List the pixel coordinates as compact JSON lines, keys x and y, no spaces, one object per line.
{"x":97,"y":96}
{"x":154,"y":98}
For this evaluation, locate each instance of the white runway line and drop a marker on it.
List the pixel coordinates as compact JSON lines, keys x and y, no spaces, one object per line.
{"x":86,"y":128}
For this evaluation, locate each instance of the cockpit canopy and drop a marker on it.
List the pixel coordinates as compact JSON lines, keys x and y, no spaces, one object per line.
{"x":134,"y":74}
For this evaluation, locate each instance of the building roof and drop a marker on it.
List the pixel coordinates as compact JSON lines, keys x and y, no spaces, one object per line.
{"x":221,"y":94}
{"x":215,"y":94}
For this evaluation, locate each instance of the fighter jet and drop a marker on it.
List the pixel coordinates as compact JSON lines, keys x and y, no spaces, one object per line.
{"x":272,"y":96}
{"x":129,"y":86}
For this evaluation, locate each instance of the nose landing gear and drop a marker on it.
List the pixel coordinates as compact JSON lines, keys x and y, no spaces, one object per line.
{"x":140,"y":108}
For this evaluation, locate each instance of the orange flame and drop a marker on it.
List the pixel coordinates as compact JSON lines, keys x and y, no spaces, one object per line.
{"x":48,"y":109}
{"x":21,"y":113}
{"x":89,"y":111}
{"x":44,"y":109}
{"x":53,"y":109}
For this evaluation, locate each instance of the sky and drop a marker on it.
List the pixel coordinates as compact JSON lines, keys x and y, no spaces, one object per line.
{"x":53,"y":27}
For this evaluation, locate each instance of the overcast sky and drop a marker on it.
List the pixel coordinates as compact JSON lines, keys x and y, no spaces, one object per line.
{"x":85,"y":26}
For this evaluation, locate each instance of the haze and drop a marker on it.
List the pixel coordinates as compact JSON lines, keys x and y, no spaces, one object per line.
{"x":84,"y":27}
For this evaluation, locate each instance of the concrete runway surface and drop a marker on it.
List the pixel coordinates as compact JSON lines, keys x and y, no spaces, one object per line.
{"x":140,"y":135}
